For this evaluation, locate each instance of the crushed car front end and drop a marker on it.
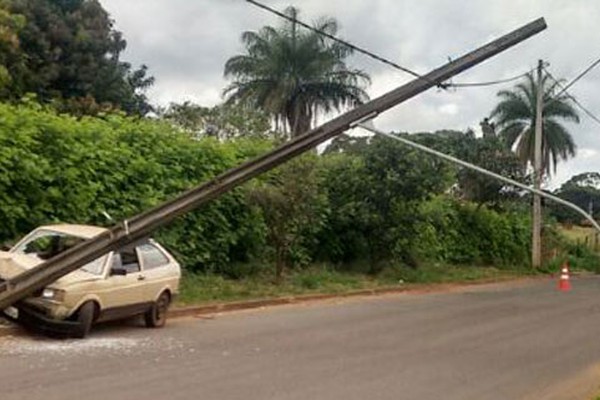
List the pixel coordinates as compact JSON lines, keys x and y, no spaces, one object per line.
{"x":46,"y":310}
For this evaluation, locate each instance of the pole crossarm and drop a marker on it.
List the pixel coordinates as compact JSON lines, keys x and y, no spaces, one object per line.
{"x":483,"y":171}
{"x":140,"y":226}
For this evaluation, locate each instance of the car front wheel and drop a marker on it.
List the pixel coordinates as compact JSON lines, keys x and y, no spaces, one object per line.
{"x":85,"y":318}
{"x":156,"y":316}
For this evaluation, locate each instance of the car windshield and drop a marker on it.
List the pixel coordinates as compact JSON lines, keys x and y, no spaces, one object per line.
{"x":45,"y":244}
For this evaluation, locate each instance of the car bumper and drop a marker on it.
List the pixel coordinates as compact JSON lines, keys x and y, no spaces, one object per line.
{"x":32,"y":319}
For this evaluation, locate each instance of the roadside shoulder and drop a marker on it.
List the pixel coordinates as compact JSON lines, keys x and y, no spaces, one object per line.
{"x":9,"y":329}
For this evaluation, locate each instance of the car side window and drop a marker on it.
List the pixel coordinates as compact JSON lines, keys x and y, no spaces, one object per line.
{"x":151,"y":256}
{"x":126,"y":259}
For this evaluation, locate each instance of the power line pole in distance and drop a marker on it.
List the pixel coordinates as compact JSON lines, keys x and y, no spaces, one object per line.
{"x":536,"y":242}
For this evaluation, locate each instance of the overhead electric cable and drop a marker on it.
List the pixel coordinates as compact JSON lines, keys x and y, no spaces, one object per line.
{"x":578,"y":77}
{"x":366,"y":124}
{"x":379,"y":58}
{"x":491,"y":83}
{"x":570,"y":96}
{"x":344,"y":42}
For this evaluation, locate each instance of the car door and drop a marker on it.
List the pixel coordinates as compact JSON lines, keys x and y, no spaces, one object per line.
{"x":124,"y":294}
{"x":157,"y":268}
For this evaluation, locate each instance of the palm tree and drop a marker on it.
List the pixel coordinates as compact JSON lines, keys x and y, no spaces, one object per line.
{"x":515,"y":118}
{"x":294,"y":74}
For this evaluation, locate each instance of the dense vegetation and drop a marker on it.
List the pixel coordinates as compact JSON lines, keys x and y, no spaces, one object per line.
{"x":383,"y":203}
{"x":74,"y":148}
{"x":582,"y":190}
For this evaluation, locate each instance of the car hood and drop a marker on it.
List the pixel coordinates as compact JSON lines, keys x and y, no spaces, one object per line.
{"x":12,"y":265}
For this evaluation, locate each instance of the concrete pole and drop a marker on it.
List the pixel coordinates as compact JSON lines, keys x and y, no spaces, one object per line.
{"x":536,"y":240}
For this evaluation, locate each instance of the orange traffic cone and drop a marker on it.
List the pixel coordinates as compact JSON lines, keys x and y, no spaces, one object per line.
{"x":564,"y":283}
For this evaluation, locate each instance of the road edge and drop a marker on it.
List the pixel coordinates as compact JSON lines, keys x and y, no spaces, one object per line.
{"x":213,"y":308}
{"x":224,"y":307}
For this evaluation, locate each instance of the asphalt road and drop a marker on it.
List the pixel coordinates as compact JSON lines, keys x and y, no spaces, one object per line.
{"x":508,"y":341}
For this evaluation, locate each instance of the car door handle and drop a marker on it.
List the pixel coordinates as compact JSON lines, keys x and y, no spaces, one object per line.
{"x":141,"y":277}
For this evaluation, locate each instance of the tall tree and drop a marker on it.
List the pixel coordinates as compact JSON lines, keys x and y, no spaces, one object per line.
{"x":11,"y":58}
{"x":71,"y":56}
{"x":515,"y":121}
{"x":582,"y":190}
{"x":293,"y":206}
{"x":294,"y":74}
{"x":488,"y":152}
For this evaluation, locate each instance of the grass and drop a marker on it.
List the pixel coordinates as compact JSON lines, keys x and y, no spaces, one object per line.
{"x":583,"y":249}
{"x":200,"y":289}
{"x":213,"y":288}
{"x":579,"y":234}
{"x":442,"y":273}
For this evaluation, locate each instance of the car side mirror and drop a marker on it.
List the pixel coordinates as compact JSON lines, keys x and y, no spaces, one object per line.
{"x":118,"y":272}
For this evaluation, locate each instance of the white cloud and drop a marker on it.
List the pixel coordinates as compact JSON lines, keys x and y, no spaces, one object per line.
{"x":586,"y":154}
{"x":449,"y":109}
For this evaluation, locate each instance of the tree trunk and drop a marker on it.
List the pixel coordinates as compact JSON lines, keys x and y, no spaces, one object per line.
{"x":299,"y":120}
{"x":279,"y":263}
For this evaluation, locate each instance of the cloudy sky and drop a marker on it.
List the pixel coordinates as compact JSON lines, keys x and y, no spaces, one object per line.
{"x":185,"y":44}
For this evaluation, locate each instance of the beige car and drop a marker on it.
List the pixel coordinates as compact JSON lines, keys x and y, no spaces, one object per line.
{"x":137,"y":279}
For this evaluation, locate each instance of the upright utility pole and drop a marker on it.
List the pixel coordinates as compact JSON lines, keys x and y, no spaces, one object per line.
{"x":536,"y":242}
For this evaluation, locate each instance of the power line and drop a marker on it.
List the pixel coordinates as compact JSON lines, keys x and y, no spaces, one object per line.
{"x":379,"y":58}
{"x":491,"y":83}
{"x":564,"y":91}
{"x":369,"y":127}
{"x":588,"y":69}
{"x":345,"y":43}
{"x":577,"y":103}
{"x":585,"y":110}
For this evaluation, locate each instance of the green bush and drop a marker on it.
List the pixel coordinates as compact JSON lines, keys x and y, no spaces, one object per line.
{"x":465,"y":233}
{"x":358,"y":210}
{"x":56,"y":168}
{"x":583,"y":258}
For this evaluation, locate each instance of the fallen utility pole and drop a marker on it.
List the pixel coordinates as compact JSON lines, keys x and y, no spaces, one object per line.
{"x":140,"y":226}
{"x":454,"y":160}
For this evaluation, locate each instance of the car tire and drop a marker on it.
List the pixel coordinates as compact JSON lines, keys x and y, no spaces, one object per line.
{"x":156,"y":316}
{"x":85,"y":318}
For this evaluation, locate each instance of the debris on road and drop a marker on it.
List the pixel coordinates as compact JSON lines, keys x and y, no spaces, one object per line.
{"x":118,"y":346}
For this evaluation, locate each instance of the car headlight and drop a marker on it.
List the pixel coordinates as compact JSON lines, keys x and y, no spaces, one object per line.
{"x":53,"y":294}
